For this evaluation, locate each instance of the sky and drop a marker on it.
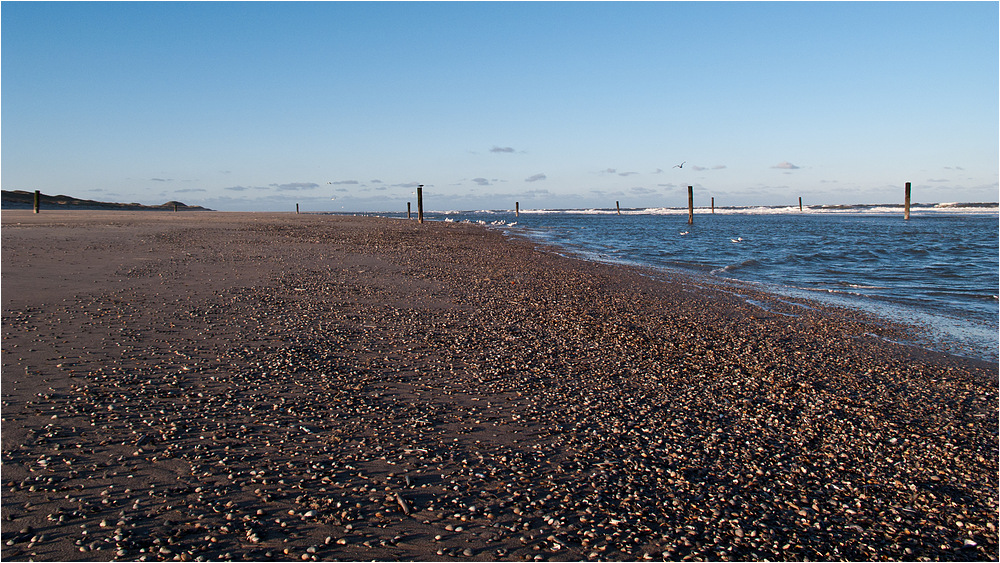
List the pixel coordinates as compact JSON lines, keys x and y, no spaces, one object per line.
{"x":338,"y":106}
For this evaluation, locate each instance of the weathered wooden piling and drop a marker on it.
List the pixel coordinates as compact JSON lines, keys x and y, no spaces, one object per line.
{"x":713,"y":206}
{"x":408,"y":210}
{"x":296,"y":209}
{"x":38,"y":197}
{"x":420,"y":203}
{"x":618,"y":207}
{"x":800,"y":204}
{"x":517,"y":209}
{"x":906,"y":203}
{"x":690,"y":205}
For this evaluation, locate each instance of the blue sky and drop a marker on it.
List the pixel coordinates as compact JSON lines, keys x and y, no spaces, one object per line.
{"x":348,"y":106}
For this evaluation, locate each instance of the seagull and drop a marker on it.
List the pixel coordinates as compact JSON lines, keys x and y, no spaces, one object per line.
{"x":685,"y":232}
{"x":681,"y":165}
{"x":738,"y":239}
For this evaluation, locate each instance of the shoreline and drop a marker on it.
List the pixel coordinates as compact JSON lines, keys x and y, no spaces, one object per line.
{"x":963,"y":328}
{"x":296,"y":387}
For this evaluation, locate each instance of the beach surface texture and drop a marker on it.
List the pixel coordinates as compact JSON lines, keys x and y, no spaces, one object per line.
{"x":227,"y":386}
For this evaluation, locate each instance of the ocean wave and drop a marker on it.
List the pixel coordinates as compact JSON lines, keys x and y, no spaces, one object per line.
{"x":733,"y":267}
{"x":970,"y":205}
{"x":870,"y":209}
{"x":860,"y":285}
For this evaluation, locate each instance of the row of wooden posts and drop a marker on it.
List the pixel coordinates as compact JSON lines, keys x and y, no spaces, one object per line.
{"x":517,"y":205}
{"x":420,"y":205}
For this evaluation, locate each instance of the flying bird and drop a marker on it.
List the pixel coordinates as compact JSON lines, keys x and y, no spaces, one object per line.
{"x":681,"y":165}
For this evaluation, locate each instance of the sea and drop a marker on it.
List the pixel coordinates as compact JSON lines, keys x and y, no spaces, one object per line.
{"x":939,"y":271}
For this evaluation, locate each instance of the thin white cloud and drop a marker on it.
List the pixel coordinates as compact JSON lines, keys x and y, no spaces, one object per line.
{"x":535,"y":178}
{"x":615,"y":171}
{"x":344,"y":183}
{"x":785,"y":166}
{"x":481,"y":181}
{"x":295,"y":186}
{"x":283,"y":187}
{"x":501,"y":149}
{"x":639,"y":190}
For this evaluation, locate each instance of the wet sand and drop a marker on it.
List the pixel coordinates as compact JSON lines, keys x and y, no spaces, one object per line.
{"x":226,"y":386}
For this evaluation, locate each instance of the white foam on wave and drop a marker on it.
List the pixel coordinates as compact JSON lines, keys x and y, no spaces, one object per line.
{"x":865,"y":209}
{"x":733,"y":267}
{"x":863,"y":286}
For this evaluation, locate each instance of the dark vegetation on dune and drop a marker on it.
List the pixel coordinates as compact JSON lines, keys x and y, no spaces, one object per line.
{"x":20,"y":199}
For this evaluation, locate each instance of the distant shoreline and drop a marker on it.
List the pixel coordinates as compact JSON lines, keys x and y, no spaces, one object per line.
{"x":978,"y":208}
{"x":20,"y":199}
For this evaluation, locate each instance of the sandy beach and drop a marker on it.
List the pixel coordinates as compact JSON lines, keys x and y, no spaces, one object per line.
{"x":212,"y":386}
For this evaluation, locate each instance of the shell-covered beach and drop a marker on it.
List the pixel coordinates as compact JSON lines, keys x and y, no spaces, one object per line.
{"x":225,"y":386}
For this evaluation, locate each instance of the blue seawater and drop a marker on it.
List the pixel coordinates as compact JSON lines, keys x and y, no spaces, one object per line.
{"x":940,"y":270}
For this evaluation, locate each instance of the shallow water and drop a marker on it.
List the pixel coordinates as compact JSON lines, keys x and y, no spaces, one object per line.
{"x":938,"y":270}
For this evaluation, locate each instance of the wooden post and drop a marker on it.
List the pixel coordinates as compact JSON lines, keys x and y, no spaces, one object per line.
{"x":517,"y":209}
{"x":618,"y":207}
{"x":296,"y":209}
{"x":800,"y":204}
{"x":420,"y":203}
{"x":175,"y":208}
{"x":38,"y":197}
{"x":690,"y":205}
{"x":713,"y":206}
{"x":408,"y":210}
{"x":906,"y":203}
